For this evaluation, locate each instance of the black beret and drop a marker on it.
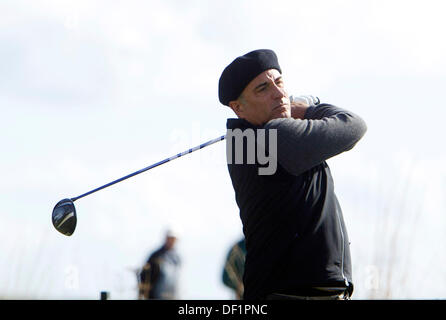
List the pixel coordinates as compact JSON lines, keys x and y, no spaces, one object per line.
{"x":242,"y":70}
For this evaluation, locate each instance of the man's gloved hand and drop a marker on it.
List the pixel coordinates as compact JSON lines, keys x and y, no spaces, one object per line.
{"x":306,"y":99}
{"x":299,"y":105}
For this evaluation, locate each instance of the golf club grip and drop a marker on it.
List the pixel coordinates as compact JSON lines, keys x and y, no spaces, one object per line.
{"x":201,"y":146}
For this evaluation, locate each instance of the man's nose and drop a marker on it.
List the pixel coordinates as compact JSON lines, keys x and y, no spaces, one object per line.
{"x":278,"y":92}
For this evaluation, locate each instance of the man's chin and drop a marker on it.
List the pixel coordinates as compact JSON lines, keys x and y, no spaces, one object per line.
{"x":282,"y":114}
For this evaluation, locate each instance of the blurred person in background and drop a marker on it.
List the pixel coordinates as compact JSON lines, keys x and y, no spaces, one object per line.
{"x":234,"y":267}
{"x":159,"y":276}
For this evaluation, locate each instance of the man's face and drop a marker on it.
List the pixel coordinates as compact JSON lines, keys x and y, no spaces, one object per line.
{"x":264,"y":98}
{"x":170,"y":242}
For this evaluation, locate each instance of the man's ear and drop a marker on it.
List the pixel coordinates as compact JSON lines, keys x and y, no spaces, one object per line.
{"x":237,"y":107}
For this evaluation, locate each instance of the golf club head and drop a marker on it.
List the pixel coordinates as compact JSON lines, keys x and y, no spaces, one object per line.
{"x":64,"y":217}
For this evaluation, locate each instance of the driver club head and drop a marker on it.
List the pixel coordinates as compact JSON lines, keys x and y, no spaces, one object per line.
{"x":64,"y":217}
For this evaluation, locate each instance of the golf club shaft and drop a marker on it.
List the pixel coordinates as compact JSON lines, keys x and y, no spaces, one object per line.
{"x":152,"y":166}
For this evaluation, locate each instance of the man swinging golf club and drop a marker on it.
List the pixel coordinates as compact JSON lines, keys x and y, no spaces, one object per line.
{"x":296,"y":239}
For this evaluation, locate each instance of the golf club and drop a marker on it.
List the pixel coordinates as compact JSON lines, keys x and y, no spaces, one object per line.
{"x":64,"y":213}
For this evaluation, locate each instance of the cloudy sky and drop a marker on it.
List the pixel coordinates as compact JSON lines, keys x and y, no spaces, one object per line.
{"x":93,"y":90}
